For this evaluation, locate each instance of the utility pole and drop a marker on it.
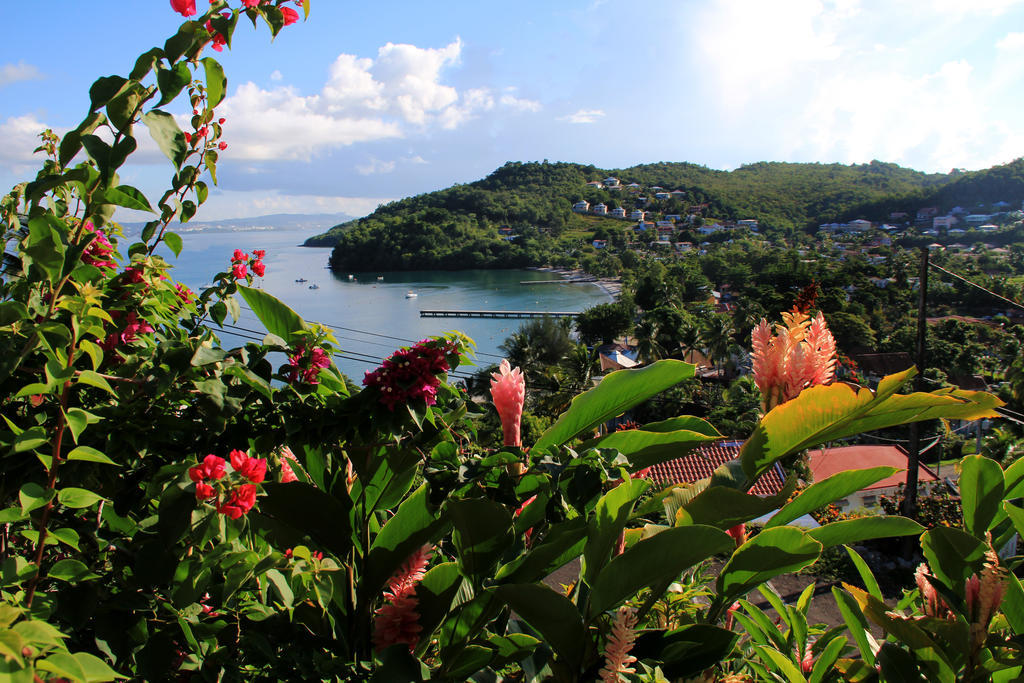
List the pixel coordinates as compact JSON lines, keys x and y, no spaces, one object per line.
{"x":914,"y":449}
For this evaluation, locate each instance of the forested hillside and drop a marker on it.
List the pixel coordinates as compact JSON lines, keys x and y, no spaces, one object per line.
{"x":459,"y":227}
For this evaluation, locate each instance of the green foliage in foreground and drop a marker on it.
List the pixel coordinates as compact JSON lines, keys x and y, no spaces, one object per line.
{"x":177,"y":510}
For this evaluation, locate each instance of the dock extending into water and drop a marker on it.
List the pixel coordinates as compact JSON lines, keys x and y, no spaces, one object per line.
{"x":495,"y":314}
{"x":557,"y":282}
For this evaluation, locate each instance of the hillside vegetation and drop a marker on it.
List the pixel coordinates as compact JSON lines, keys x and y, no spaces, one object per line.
{"x":458,"y":227}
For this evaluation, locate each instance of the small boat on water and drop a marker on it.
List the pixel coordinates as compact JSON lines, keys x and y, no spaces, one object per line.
{"x":380,"y":278}
{"x":300,"y":279}
{"x":351,"y":277}
{"x":411,"y":294}
{"x":314,"y":286}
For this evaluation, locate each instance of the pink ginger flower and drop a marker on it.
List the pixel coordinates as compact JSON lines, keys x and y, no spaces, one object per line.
{"x":287,"y":473}
{"x":617,"y":659}
{"x":934,"y":606}
{"x":796,"y":356}
{"x":508,"y":391}
{"x":397,"y":620}
{"x":984,"y":593}
{"x":807,"y":661}
{"x":739,"y":534}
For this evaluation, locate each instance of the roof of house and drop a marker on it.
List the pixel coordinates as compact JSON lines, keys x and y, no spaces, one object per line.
{"x":826,"y":462}
{"x":700,"y":463}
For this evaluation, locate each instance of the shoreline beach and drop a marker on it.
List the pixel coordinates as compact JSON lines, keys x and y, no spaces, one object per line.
{"x":610,"y":286}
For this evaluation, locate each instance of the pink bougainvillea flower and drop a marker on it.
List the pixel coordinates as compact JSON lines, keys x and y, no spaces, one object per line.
{"x":617,"y":659}
{"x":100,"y":249}
{"x":410,"y":374}
{"x":239,"y":256}
{"x":253,"y":469}
{"x":238,"y":271}
{"x":239,"y":502}
{"x":249,"y":4}
{"x":800,"y":354}
{"x":185,"y":8}
{"x":307,"y":365}
{"x":290,"y":15}
{"x":212,"y":467}
{"x":204,"y":491}
{"x":508,"y":391}
{"x":257,"y":253}
{"x":258,"y":268}
{"x":397,"y":621}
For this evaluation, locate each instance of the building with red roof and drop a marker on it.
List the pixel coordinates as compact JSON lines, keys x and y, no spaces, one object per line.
{"x":824,"y":463}
{"x":700,"y":463}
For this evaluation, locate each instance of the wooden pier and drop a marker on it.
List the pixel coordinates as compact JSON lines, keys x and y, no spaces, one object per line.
{"x":432,"y":313}
{"x":557,"y":282}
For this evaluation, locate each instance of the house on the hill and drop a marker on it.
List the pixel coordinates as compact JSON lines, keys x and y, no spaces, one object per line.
{"x":581,"y":206}
{"x":611,"y":182}
{"x":702,"y":462}
{"x":599,"y":209}
{"x":600,"y":244}
{"x":824,"y":463}
{"x":617,"y":212}
{"x":637,"y":215}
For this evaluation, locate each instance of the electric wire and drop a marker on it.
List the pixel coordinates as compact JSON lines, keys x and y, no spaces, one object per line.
{"x":976,"y":285}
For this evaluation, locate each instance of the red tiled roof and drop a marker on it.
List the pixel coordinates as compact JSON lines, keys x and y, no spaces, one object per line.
{"x":700,"y":463}
{"x":825,"y":463}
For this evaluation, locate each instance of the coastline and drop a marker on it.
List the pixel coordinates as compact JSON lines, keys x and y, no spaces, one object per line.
{"x":612,"y":286}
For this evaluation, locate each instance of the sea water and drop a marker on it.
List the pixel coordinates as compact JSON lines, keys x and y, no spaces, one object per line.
{"x":370,"y":313}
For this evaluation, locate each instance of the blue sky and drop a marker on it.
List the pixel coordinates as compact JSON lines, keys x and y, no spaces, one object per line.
{"x":372,"y":101}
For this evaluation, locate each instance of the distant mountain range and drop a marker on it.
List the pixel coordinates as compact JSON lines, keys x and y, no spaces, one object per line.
{"x":273,"y":221}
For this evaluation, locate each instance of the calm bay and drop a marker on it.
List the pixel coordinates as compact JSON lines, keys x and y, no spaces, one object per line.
{"x":371,"y":317}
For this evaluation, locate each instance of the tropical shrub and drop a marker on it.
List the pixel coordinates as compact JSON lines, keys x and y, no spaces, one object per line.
{"x":178,"y":510}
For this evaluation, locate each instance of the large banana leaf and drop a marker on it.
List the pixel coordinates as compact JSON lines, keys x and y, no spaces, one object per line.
{"x":618,"y":392}
{"x":833,"y":411}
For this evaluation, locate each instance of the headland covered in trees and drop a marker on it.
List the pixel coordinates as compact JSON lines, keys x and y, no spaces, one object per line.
{"x":564,"y":214}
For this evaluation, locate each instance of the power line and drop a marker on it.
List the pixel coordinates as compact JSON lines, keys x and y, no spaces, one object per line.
{"x":977,"y":286}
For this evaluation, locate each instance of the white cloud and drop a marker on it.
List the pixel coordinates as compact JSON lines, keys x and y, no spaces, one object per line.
{"x":399,"y":92}
{"x":583,"y":116}
{"x":1011,"y":42}
{"x":20,"y":135}
{"x":12,"y":73}
{"x":237,"y":204}
{"x":417,"y":159}
{"x":276,"y":75}
{"x":375,"y":166}
{"x":983,"y":7}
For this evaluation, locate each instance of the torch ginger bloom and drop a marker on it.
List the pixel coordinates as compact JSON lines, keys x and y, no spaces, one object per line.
{"x":984,"y":593}
{"x":798,"y":355}
{"x":616,"y":653}
{"x":508,"y":391}
{"x":396,"y":620}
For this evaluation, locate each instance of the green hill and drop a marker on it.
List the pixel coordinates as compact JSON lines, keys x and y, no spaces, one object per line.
{"x":458,"y":227}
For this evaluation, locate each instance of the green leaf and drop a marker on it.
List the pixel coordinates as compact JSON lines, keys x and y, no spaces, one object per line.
{"x":275,"y":315}
{"x":122,"y":109}
{"x":483,"y":531}
{"x":608,"y":521}
{"x":104,"y":89}
{"x":866,"y":575}
{"x":167,"y":135}
{"x":94,"y":379}
{"x":70,"y":570}
{"x":1013,"y":603}
{"x":826,"y":660}
{"x":686,"y":652}
{"x":856,"y":622}
{"x":87,"y":454}
{"x":216,"y":81}
{"x":434,"y":595}
{"x":30,"y":439}
{"x":662,"y":556}
{"x":45,"y":246}
{"x":981,"y":492}
{"x":128,"y":197}
{"x":897,"y":665}
{"x":33,"y":496}
{"x":552,"y":615}
{"x":96,"y":670}
{"x":828,"y":490}
{"x":952,"y":554}
{"x":833,"y":411}
{"x":781,"y":663}
{"x":172,"y":81}
{"x":647,"y":448}
{"x":562,"y":543}
{"x":775,"y":551}
{"x":77,"y":420}
{"x":280,"y":584}
{"x":725,"y":507}
{"x":863,"y":529}
{"x":66,"y":536}
{"x":173,"y":242}
{"x":414,"y":524}
{"x":618,"y":392}
{"x":77,"y":498}
{"x":12,"y":312}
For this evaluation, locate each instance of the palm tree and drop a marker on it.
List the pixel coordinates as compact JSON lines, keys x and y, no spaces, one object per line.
{"x":716,"y":338}
{"x":648,"y":348}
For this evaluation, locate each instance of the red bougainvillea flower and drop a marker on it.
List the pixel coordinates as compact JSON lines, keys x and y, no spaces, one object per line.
{"x":239,"y":501}
{"x":258,"y":268}
{"x":239,"y":271}
{"x":184,"y":293}
{"x":185,"y":8}
{"x":798,"y":355}
{"x":259,"y":253}
{"x":307,"y":365}
{"x":253,"y":469}
{"x":99,"y":250}
{"x":508,"y":391}
{"x":397,"y":620}
{"x":411,"y":373}
{"x":221,"y":145}
{"x":212,"y":467}
{"x":133,"y":275}
{"x":239,"y":256}
{"x":290,"y":15}
{"x":617,"y":659}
